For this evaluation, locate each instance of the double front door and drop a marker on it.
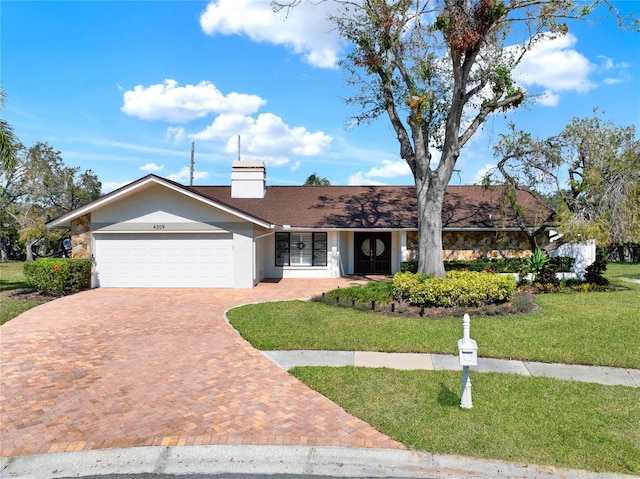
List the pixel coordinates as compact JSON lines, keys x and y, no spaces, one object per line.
{"x":372,"y":253}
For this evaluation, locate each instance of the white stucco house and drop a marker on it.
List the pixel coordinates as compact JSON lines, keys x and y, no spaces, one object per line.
{"x":155,"y":232}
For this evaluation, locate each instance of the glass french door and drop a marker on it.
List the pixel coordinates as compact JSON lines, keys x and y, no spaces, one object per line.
{"x":372,"y":253}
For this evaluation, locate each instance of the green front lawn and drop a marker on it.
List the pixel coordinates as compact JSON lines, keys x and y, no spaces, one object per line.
{"x":12,"y":277}
{"x":579,"y":328}
{"x":11,"y":280}
{"x":514,"y":418}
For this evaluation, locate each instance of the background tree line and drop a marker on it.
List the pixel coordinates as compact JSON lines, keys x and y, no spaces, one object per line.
{"x":588,"y":174}
{"x":35,"y":187}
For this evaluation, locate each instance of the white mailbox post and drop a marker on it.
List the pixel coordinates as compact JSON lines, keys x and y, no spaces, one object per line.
{"x":468,"y":350}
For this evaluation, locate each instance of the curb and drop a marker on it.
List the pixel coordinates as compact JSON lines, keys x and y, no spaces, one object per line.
{"x":302,"y":460}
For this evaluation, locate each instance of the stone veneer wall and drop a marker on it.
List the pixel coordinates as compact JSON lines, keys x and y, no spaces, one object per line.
{"x":81,"y":237}
{"x":470,"y":245}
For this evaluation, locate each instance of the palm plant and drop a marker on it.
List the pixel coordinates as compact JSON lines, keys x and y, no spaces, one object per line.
{"x":536,"y":263}
{"x":8,"y":141}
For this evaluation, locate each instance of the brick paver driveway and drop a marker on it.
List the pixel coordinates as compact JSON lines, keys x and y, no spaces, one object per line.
{"x":138,"y":367}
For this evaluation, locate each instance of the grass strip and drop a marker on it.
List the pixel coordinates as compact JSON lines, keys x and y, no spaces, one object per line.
{"x":11,"y":309}
{"x":522,"y":419}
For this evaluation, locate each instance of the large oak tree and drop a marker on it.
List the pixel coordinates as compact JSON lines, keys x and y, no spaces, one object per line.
{"x":437,"y":69}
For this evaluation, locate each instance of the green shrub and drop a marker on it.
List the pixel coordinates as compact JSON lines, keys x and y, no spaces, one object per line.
{"x":404,"y":283}
{"x":59,"y":276}
{"x":378,"y":291}
{"x":499,"y":265}
{"x":536,"y":263}
{"x":459,"y":288}
{"x":571,"y":282}
{"x":563,"y":264}
{"x":547,"y":275}
{"x":409,"y":266}
{"x":461,"y":265}
{"x":594,"y":273}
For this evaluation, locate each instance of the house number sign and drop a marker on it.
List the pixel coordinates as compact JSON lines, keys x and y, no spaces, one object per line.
{"x":158,"y":227}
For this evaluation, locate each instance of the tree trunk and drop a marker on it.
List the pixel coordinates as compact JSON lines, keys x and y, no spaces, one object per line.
{"x":430,"y":199}
{"x":29,"y":245}
{"x":4,"y":256}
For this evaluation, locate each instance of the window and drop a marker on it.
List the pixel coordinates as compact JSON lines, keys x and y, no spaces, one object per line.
{"x":301,"y":249}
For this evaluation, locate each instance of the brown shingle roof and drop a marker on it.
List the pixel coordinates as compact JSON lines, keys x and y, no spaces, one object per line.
{"x":353,"y":207}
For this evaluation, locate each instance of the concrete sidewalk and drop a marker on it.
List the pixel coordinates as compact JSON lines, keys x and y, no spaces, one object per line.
{"x":438,"y":362}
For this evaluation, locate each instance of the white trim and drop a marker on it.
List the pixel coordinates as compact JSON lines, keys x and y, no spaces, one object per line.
{"x":129,"y":232}
{"x":132,"y":188}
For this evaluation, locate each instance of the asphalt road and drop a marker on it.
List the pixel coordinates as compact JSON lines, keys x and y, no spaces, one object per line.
{"x":218,"y":476}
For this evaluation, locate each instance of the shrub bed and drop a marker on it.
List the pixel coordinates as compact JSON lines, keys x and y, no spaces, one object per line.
{"x":58,"y":276}
{"x":459,"y":288}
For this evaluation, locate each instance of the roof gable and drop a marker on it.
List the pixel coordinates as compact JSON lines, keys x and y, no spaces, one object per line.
{"x":137,"y":186}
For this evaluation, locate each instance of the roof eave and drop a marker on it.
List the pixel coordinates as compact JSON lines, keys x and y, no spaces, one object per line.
{"x":66,"y":219}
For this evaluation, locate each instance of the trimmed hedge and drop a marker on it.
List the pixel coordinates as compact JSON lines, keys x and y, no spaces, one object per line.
{"x":459,"y":288}
{"x":58,"y":276}
{"x":500,"y":265}
{"x":378,"y":291}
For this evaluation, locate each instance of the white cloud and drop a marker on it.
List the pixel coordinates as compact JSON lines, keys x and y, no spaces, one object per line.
{"x":620,"y":70}
{"x":548,"y":98}
{"x":179,"y":104}
{"x":266,"y":137}
{"x":153,"y":167}
{"x":555,"y":65}
{"x":109,"y":186}
{"x":482,"y":172}
{"x":305,"y":29}
{"x":436,"y":155}
{"x":389,"y":169}
{"x":133,"y":147}
{"x":268,"y":160}
{"x":175,"y":134}
{"x":295,"y":166}
{"x":360,"y":178}
{"x":606,"y":63}
{"x":183,"y":176}
{"x":225,"y":125}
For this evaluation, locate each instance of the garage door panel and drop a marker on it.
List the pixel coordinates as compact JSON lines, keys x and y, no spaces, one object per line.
{"x":164,"y":260}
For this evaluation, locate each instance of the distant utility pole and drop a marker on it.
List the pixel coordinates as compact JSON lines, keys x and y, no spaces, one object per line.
{"x":193,"y":144}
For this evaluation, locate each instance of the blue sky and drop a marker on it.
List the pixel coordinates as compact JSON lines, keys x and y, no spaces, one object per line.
{"x":123,"y":88}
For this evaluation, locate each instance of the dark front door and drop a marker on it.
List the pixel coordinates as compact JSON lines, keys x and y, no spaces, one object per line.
{"x":373,"y":253}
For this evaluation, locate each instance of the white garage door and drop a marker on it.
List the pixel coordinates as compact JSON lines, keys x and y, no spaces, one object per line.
{"x":164,"y":260}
